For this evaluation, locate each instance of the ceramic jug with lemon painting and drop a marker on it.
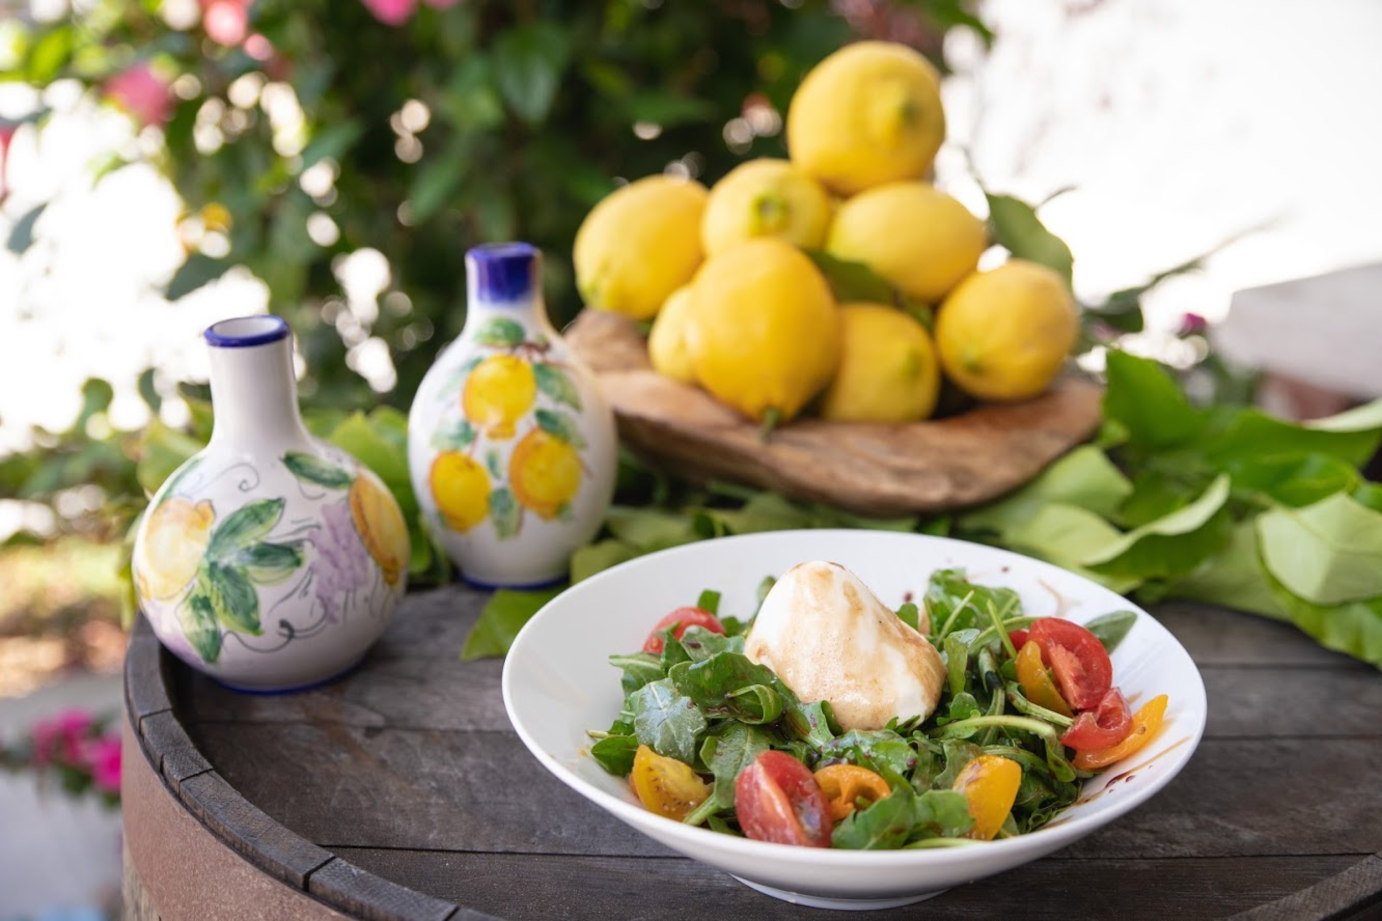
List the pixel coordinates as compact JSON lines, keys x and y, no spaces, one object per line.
{"x":511,"y":445}
{"x":271,"y":560}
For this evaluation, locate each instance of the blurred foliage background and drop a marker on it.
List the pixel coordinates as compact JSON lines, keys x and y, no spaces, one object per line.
{"x":302,"y":134}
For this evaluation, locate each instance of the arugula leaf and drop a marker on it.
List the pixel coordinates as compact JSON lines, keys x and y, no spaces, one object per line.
{"x":1326,"y":553}
{"x":501,"y":618}
{"x":879,"y":750}
{"x":699,"y":643}
{"x":666,"y":720}
{"x":910,"y":615}
{"x":1110,"y":628}
{"x":615,"y":753}
{"x":729,"y":685}
{"x":884,"y":825}
{"x":941,"y":814}
{"x":727,"y":752}
{"x":639,"y":669}
{"x":954,"y":603}
{"x":709,"y":601}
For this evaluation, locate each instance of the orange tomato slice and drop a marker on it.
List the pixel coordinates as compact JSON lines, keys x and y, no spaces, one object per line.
{"x":1145,"y":723}
{"x":1036,"y":680}
{"x":665,"y":785}
{"x":989,"y":783}
{"x":845,"y":784}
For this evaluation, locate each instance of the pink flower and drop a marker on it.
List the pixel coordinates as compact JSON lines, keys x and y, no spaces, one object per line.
{"x":226,"y":21}
{"x":104,"y":757}
{"x":61,"y":738}
{"x":391,"y":12}
{"x":139,"y":91}
{"x":259,"y":47}
{"x":1192,"y":324}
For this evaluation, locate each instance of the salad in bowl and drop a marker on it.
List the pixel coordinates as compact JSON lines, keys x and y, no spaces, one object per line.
{"x":853,"y":719}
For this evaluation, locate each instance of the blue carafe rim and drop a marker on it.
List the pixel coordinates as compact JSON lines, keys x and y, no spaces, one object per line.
{"x":244,"y":332}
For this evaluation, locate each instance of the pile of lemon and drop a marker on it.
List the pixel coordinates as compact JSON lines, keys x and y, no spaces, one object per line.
{"x":739,"y":309}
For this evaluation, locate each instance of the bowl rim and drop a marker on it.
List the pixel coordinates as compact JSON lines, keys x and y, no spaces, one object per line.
{"x":1047,"y":838}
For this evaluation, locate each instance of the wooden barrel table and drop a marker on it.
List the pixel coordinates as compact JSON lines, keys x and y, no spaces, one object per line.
{"x":401,"y":792}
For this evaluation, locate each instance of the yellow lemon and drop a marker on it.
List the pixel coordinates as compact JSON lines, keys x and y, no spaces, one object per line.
{"x":172,"y":542}
{"x":667,"y":340}
{"x":916,"y":237}
{"x":764,"y":331}
{"x":888,"y":370}
{"x":765,"y":198}
{"x":1005,"y":334}
{"x":381,"y":526}
{"x":460,"y":487}
{"x":498,"y":392}
{"x":544,"y":473}
{"x":869,"y":113}
{"x":639,"y":244}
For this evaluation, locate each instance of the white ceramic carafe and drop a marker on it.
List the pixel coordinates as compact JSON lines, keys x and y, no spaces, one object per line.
{"x":511,"y":446}
{"x":271,"y":560}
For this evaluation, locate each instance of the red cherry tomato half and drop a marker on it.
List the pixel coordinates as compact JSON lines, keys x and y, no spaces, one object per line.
{"x":778,"y":800}
{"x":682,"y":618}
{"x":1106,"y":725}
{"x":1019,"y":638}
{"x":1077,"y":659}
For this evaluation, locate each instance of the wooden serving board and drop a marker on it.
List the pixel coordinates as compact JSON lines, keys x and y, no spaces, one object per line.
{"x":869,"y":468}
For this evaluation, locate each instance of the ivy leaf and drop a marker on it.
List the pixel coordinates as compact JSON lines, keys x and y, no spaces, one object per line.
{"x":313,"y":469}
{"x":244,"y":526}
{"x":501,"y":618}
{"x":506,"y":512}
{"x":233,"y":598}
{"x":1327,"y":553}
{"x":557,"y":384}
{"x":666,"y":720}
{"x":528,"y":63}
{"x":1015,"y":226}
{"x":500,"y":332}
{"x":560,"y":425}
{"x":197,"y":618}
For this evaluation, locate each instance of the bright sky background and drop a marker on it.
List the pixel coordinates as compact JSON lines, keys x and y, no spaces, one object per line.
{"x":1179,"y":123}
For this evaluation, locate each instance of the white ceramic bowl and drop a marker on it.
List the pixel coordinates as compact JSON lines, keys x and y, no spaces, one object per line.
{"x":558,"y":683}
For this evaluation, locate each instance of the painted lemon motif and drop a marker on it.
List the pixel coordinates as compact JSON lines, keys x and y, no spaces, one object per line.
{"x":498,"y":393}
{"x":173,"y":542}
{"x":460,"y":487}
{"x":381,"y":526}
{"x":544,"y":473}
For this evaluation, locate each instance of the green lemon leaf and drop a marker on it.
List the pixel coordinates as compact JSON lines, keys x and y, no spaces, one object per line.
{"x":313,"y":469}
{"x":380,"y":442}
{"x":197,"y":618}
{"x":1066,"y":535}
{"x":560,"y":425}
{"x":243,"y":527}
{"x":1326,"y":553}
{"x":1296,"y":480}
{"x":1084,"y":478}
{"x":1352,"y":437}
{"x":500,"y":620}
{"x":233,"y":598}
{"x":599,"y":556}
{"x":435,"y":183}
{"x":506,"y":512}
{"x":556,"y":384}
{"x":1171,"y":546}
{"x":852,"y":281}
{"x":1014,"y":225}
{"x":1144,"y":399}
{"x":332,"y":141}
{"x":1354,"y":627}
{"x":1233,"y":577}
{"x":649,"y":529}
{"x":500,"y":332}
{"x":528,"y":62}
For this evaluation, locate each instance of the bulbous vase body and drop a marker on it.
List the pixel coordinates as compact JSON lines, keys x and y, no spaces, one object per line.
{"x":271,"y":560}
{"x":511,"y":446}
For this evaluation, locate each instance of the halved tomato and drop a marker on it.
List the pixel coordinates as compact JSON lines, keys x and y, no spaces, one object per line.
{"x":1106,"y":725}
{"x":682,"y":618}
{"x":665,"y":785}
{"x":1077,"y":658}
{"x":778,"y":800}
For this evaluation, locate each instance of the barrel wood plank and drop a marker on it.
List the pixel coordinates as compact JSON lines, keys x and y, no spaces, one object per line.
{"x":401,"y":792}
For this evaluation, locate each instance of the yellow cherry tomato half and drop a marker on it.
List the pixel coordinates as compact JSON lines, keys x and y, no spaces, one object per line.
{"x":989,"y":783}
{"x":1145,"y":723}
{"x":848,"y":787}
{"x":1036,"y":680}
{"x":665,"y":785}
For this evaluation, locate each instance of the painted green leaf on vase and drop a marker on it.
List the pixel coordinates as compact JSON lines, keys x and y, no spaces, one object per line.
{"x":243,"y":527}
